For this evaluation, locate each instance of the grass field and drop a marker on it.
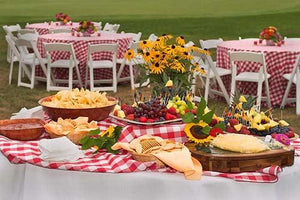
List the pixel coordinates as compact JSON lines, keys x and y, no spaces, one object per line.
{"x":195,"y":20}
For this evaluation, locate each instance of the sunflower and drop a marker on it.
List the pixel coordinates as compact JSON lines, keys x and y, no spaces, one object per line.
{"x":176,"y":65}
{"x":145,"y":44}
{"x":165,"y":37}
{"x":157,"y":68}
{"x":180,"y":40}
{"x":147,"y":57}
{"x":129,"y":54}
{"x":194,"y":133}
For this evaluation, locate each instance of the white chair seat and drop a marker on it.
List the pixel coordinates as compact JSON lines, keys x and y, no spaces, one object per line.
{"x":288,"y":77}
{"x":249,"y":77}
{"x":62,"y":63}
{"x":221,"y":72}
{"x":101,"y":64}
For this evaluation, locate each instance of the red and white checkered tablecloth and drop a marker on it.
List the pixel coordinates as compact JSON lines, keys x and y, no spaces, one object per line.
{"x":19,"y":152}
{"x":80,"y":45}
{"x":44,"y":28}
{"x":279,"y":61}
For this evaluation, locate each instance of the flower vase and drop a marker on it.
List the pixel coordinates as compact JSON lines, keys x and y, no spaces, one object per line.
{"x":270,"y":43}
{"x":86,"y":34}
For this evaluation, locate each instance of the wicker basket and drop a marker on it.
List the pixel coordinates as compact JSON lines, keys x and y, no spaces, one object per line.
{"x":74,"y":137}
{"x":147,"y":158}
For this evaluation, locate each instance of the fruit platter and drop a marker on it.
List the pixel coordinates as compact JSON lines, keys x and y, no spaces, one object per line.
{"x":152,"y":112}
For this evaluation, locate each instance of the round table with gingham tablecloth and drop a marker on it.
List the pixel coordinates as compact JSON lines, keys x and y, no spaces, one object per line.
{"x":279,"y":61}
{"x":44,"y":28}
{"x":80,"y":45}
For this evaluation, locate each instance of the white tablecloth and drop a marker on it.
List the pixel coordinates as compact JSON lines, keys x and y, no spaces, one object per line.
{"x":30,"y":182}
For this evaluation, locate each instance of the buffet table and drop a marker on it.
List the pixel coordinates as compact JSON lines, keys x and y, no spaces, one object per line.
{"x":80,"y":45}
{"x":279,"y":61}
{"x":26,"y":181}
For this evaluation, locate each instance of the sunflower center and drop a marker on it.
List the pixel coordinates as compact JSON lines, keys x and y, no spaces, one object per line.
{"x":173,"y":47}
{"x":147,"y":54}
{"x":156,"y":64}
{"x":144,"y":42}
{"x":196,"y":132}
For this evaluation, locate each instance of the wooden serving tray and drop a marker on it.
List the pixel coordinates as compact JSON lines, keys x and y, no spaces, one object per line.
{"x":226,"y":161}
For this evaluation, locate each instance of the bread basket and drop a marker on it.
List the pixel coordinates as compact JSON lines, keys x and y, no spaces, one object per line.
{"x":147,"y":158}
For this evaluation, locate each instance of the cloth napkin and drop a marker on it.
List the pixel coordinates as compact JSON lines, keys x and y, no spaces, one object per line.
{"x":181,"y":160}
{"x":59,"y":150}
{"x":36,"y":112}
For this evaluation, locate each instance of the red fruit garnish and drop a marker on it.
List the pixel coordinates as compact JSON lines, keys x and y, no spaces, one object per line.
{"x":233,"y":122}
{"x":194,"y":111}
{"x":273,"y":135}
{"x":290,"y":134}
{"x":143,"y":119}
{"x":130,"y":117}
{"x":115,"y":113}
{"x":150,"y":120}
{"x":123,"y":107}
{"x":230,"y":129}
{"x":213,"y":122}
{"x":170,"y":116}
{"x":215,"y":131}
{"x":244,"y":131}
{"x":172,"y":111}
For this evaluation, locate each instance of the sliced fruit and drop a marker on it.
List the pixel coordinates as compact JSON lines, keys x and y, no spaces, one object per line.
{"x":233,"y":122}
{"x":238,"y":127}
{"x":283,"y":123}
{"x":273,"y":123}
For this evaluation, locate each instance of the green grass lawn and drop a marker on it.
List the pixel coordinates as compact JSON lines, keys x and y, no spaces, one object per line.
{"x":195,"y":20}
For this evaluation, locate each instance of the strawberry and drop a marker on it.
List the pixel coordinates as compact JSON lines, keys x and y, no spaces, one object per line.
{"x":123,"y":107}
{"x":130,"y":117}
{"x":290,"y":134}
{"x":215,"y":131}
{"x":150,"y":120}
{"x":244,"y":131}
{"x":213,"y":122}
{"x":194,"y":111}
{"x":116,"y":113}
{"x":230,"y":129}
{"x":143,"y":119}
{"x":172,"y":110}
{"x":233,"y":122}
{"x":273,"y":135}
{"x":170,"y":116}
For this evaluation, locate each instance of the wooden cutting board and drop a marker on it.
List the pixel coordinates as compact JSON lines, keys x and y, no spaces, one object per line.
{"x":226,"y":161}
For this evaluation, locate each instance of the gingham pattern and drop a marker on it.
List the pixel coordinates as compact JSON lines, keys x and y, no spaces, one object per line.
{"x":81,"y":50}
{"x":19,"y":152}
{"x":277,"y":63}
{"x":44,"y":28}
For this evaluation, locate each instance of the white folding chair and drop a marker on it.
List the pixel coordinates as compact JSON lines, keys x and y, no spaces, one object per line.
{"x":102,"y":64}
{"x":293,"y":77}
{"x":152,"y":37}
{"x":206,"y":61}
{"x":60,"y":30}
{"x":70,"y":64}
{"x":9,"y":30}
{"x":259,"y":77}
{"x":210,"y":75}
{"x":135,"y":36}
{"x":112,"y":28}
{"x":98,"y":25}
{"x":137,"y":60}
{"x":28,"y":34}
{"x":28,"y":60}
{"x":15,"y":55}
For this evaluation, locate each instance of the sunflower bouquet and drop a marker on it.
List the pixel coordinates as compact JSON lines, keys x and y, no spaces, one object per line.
{"x":87,"y":27}
{"x":63,"y":18}
{"x":168,"y":64}
{"x":271,"y":35}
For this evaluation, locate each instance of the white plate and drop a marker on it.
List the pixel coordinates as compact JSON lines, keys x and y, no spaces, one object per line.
{"x":144,"y":123}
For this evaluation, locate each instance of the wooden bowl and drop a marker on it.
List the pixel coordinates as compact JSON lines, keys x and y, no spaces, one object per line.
{"x":96,"y":114}
{"x":22,"y":129}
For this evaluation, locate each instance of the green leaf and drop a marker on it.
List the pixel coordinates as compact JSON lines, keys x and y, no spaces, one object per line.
{"x":84,"y":140}
{"x":188,"y":117}
{"x":190,"y":106}
{"x":208,"y":117}
{"x":201,"y":107}
{"x":94,"y":132}
{"x":90,"y":143}
{"x":220,"y":125}
{"x":206,"y":130}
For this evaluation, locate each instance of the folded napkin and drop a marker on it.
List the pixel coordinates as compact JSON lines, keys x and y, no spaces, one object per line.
{"x":59,"y":150}
{"x":179,"y":159}
{"x":36,"y":112}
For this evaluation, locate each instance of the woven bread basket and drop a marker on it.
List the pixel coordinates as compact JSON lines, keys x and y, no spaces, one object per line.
{"x":147,"y":158}
{"x":74,"y":137}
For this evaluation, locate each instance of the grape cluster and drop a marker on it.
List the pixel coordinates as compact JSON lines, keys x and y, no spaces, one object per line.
{"x":279,"y":129}
{"x":259,"y":133}
{"x":152,"y":109}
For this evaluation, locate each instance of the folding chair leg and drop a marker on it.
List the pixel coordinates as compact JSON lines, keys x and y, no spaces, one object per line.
{"x":131,"y":76}
{"x":207,"y":81}
{"x":114,"y":70}
{"x":20,"y":74}
{"x":259,"y":91}
{"x":91,"y":79}
{"x":70,"y":78}
{"x":268,"y":93}
{"x":78,"y":76}
{"x":120,"y":71}
{"x":11,"y":67}
{"x":32,"y":77}
{"x":232,"y":91}
{"x":286,"y":93}
{"x":48,"y":76}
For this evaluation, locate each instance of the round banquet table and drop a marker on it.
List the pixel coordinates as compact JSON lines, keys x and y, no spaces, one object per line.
{"x":279,"y":61}
{"x":26,"y":181}
{"x":80,"y":45}
{"x":44,"y":28}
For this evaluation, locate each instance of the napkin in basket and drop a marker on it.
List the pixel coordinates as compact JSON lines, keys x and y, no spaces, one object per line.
{"x":59,"y":150}
{"x":36,"y":112}
{"x":179,"y":159}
